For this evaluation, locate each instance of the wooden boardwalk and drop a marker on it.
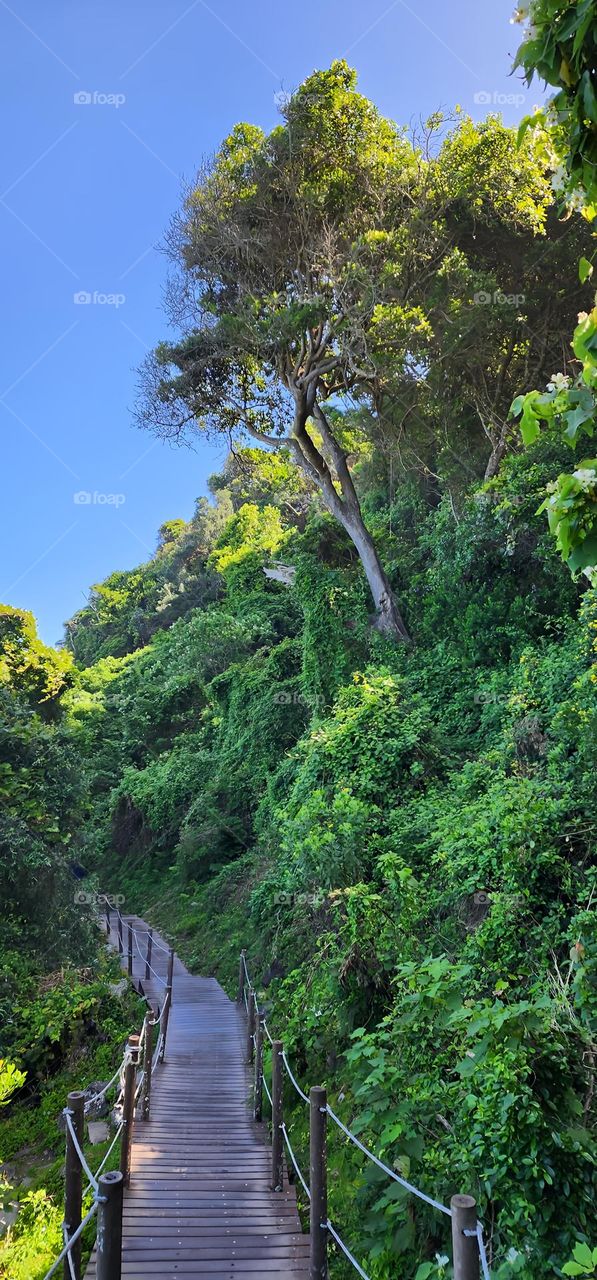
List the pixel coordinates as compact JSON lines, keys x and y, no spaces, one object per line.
{"x":199,"y":1202}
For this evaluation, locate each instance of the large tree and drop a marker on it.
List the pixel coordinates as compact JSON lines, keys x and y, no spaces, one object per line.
{"x":335,"y":260}
{"x":277,"y":292}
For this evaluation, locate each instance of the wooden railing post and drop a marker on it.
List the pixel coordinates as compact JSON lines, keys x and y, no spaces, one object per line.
{"x":258,"y":1087}
{"x":318,"y":1258}
{"x":130,"y":949}
{"x":167,"y":1004}
{"x":128,"y":1108}
{"x":147,"y":1057}
{"x":465,"y":1248}
{"x":73,"y":1180}
{"x":241,"y":977}
{"x":108,"y":1265}
{"x":165,"y":1021}
{"x":107,"y":917}
{"x":148,"y":956}
{"x":120,"y":946}
{"x":277,"y":1117}
{"x":251,"y":1003}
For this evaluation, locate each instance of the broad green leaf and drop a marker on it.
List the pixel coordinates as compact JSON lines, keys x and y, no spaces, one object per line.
{"x":585,"y":270}
{"x":585,"y":554}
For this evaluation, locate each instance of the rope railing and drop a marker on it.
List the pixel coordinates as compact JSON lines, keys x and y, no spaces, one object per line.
{"x":72,"y":1240}
{"x":132,"y":1090}
{"x":469,"y":1249}
{"x":391,"y":1173}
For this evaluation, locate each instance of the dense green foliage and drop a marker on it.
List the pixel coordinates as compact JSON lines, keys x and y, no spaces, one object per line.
{"x":401,"y":839}
{"x":60,"y":1025}
{"x":560,"y":45}
{"x":401,"y":836}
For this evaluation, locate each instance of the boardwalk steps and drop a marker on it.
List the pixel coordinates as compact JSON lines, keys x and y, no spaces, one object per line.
{"x":199,"y":1201}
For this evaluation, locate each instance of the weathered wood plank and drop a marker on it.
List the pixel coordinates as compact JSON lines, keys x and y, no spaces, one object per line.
{"x":199,"y":1203}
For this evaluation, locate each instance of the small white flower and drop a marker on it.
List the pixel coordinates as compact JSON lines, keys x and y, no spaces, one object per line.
{"x":442,"y":1259}
{"x":521,"y":11}
{"x":559,"y":178}
{"x":587,"y":478}
{"x":558,"y":382}
{"x":576,"y":200}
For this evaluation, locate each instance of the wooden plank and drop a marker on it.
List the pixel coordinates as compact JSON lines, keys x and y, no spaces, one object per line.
{"x":199,"y":1203}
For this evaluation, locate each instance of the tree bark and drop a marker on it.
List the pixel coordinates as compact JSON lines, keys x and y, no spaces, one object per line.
{"x":345,"y":508}
{"x":389,"y":620}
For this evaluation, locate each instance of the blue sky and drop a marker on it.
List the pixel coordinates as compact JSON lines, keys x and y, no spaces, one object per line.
{"x":88,"y":188}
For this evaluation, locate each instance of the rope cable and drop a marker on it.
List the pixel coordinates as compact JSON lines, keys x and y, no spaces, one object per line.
{"x":71,"y":1265}
{"x":295,"y":1082}
{"x":345,"y":1249}
{"x":68,"y":1247}
{"x":102,"y":1092}
{"x":75,"y":1141}
{"x":106,"y":1157}
{"x":294,"y":1160}
{"x":478,"y":1232}
{"x":435,"y":1204}
{"x":149,"y":966}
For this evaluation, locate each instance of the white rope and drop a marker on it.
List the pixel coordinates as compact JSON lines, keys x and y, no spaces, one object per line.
{"x":435,"y":1204}
{"x":144,"y":933}
{"x":80,"y":1154}
{"x":157,"y":1053}
{"x":294,"y":1161}
{"x":102,"y":1092}
{"x":478,"y":1232}
{"x":267,"y":1032}
{"x":245,"y":1000}
{"x":295,"y":1082}
{"x":71,"y":1265}
{"x":68,"y":1247}
{"x":106,"y":1157}
{"x":245,"y":968}
{"x":345,"y":1250}
{"x":268,"y":1092}
{"x":149,"y":966}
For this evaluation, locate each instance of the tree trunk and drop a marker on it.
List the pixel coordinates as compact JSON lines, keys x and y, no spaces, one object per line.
{"x":498,"y":449}
{"x":388,"y":617}
{"x":345,"y":507}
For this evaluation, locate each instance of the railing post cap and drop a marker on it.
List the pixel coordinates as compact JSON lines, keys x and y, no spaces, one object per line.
{"x":76,"y":1096}
{"x":110,"y":1178}
{"x":463,"y":1202}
